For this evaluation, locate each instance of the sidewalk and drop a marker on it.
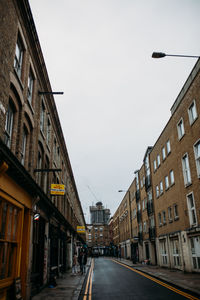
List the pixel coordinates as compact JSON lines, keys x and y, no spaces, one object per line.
{"x":187,"y":281}
{"x":68,"y":287}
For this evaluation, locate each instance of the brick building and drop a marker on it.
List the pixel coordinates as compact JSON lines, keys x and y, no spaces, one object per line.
{"x":37,"y":229}
{"x":165,"y":210}
{"x":98,"y":232}
{"x":176,"y":181}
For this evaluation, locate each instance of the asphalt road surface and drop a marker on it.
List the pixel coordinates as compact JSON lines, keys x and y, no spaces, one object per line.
{"x":108,"y":279}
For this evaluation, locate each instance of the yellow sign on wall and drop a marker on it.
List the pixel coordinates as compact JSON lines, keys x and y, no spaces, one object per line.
{"x":57,"y":189}
{"x":81,"y":229}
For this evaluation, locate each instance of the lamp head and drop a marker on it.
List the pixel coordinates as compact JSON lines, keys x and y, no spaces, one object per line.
{"x":158,"y":54}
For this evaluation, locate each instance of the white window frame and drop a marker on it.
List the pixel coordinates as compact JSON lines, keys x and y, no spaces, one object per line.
{"x":9,"y":125}
{"x":159,"y":219}
{"x":168,"y":146}
{"x":192,"y":112}
{"x":161,"y":187}
{"x":164,"y":216}
{"x":163,"y":153}
{"x":171,"y":176}
{"x":30,"y":86}
{"x":19,"y":55}
{"x":163,"y":252}
{"x":24,"y":143}
{"x":48,"y":133}
{"x":166,"y":182}
{"x":176,"y":215}
{"x":197,"y":156}
{"x":180,"y":129}
{"x":158,"y":160}
{"x":157,"y":191}
{"x":170,"y":214}
{"x":154,"y":165}
{"x":42,"y":117}
{"x":195,"y":255}
{"x":192,"y":209}
{"x":186,"y":169}
{"x":176,"y":252}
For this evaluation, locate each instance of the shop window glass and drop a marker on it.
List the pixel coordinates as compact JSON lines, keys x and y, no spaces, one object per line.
{"x":8,"y":238}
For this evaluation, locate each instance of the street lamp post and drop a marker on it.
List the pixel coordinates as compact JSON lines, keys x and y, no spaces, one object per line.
{"x":161,"y":54}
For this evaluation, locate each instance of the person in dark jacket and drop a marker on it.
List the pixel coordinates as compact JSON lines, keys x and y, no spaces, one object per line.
{"x":80,"y":260}
{"x":84,"y":261}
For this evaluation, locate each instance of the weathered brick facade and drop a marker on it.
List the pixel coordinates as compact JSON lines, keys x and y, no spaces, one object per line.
{"x":166,"y":207}
{"x":33,"y":155}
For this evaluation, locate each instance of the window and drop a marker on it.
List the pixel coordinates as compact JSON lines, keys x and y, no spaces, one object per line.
{"x":154,"y":165}
{"x":176,"y":212}
{"x":141,"y":183}
{"x":11,"y":217}
{"x":145,"y":226}
{"x":192,"y":112}
{"x":48,"y":132}
{"x":42,"y":117}
{"x":134,"y":213}
{"x":168,"y":147}
{"x":19,"y":51}
{"x":54,"y":150}
{"x":164,"y":217}
{"x":157,"y":191}
{"x":39,"y":166}
{"x":24,"y":142}
{"x":176,"y":253}
{"x":180,"y":128}
{"x":163,"y":153}
{"x":30,"y":86}
{"x":191,"y":209}
{"x":158,"y":160}
{"x":161,"y":187}
{"x":151,"y":222}
{"x":144,"y":204}
{"x":186,"y":170}
{"x":137,"y":181}
{"x":9,"y":125}
{"x":166,"y":182}
{"x":163,"y":252}
{"x":197,"y":156}
{"x":171,"y":176}
{"x":159,"y":219}
{"x":195,"y":246}
{"x":170,"y":214}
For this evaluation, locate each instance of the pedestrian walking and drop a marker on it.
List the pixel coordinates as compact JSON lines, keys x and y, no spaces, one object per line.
{"x":84,"y":261}
{"x":80,"y":260}
{"x":74,"y":264}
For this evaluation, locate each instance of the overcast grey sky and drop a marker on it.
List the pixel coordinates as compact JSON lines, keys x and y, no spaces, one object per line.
{"x":117,"y":99}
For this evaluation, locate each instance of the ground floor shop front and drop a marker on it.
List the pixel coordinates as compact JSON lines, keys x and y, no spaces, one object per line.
{"x":180,"y":250}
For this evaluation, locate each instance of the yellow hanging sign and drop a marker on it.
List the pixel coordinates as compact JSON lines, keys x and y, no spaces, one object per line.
{"x":57,"y":189}
{"x":81,"y":229}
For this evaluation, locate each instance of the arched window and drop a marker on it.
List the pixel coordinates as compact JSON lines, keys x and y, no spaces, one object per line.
{"x":24,"y":144}
{"x":9,"y":124}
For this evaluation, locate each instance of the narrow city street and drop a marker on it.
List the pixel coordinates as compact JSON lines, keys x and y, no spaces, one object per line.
{"x":111,"y":279}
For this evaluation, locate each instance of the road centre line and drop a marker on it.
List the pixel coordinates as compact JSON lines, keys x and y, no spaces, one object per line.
{"x":89,"y":282}
{"x":188,"y":296}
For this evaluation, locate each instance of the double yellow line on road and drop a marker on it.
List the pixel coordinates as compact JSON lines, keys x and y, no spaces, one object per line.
{"x":186,"y":295}
{"x":88,"y":288}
